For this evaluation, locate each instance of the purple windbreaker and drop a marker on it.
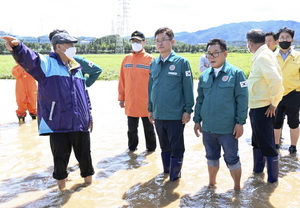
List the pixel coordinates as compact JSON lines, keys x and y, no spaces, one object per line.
{"x":63,"y":101}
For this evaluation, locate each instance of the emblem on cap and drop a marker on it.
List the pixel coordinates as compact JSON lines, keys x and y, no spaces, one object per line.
{"x":172,"y":67}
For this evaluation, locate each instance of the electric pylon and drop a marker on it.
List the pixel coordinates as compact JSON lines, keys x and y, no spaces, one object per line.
{"x":122,"y":24}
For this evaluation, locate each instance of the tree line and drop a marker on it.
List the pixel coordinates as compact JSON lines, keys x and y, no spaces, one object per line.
{"x":107,"y":45}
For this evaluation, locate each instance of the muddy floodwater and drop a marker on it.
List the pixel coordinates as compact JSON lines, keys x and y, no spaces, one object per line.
{"x":125,"y":179}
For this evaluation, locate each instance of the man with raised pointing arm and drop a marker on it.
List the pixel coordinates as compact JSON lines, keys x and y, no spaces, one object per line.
{"x":64,"y":109}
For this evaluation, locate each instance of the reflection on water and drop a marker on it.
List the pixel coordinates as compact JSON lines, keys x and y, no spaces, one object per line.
{"x":129,"y":179}
{"x":125,"y":161}
{"x":157,"y":192}
{"x":255,"y":193}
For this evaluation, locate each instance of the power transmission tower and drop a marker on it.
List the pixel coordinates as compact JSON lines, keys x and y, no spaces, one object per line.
{"x":122,"y":24}
{"x":112,"y":27}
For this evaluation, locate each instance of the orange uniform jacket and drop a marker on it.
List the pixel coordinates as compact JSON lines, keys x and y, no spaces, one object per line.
{"x":133,"y":83}
{"x":26,"y":89}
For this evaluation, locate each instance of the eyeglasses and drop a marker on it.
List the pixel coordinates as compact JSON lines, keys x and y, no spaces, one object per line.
{"x":161,"y":41}
{"x":135,"y":41}
{"x":214,"y":54}
{"x":285,"y":39}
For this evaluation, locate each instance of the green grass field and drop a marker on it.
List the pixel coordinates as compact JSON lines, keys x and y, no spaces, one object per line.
{"x":110,"y":63}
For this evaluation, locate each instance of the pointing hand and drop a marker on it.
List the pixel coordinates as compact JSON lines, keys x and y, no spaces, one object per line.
{"x":10,"y":42}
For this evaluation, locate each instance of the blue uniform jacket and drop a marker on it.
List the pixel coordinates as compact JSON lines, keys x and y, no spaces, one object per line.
{"x":170,"y":88}
{"x":222,"y":103}
{"x":90,"y":70}
{"x":63,"y":101}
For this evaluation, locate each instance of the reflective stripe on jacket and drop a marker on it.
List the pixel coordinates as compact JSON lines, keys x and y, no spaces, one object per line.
{"x":133,"y":83}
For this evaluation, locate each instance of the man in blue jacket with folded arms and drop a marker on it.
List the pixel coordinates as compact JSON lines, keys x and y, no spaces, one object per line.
{"x":64,"y":109}
{"x":221,"y":106}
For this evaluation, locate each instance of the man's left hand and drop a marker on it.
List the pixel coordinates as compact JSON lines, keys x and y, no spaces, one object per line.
{"x":270,"y":111}
{"x":238,"y":130}
{"x":186,"y":117}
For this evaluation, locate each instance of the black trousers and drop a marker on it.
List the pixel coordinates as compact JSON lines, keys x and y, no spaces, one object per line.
{"x":132,"y":133}
{"x":61,"y":147}
{"x":263,"y":131}
{"x":171,"y":139}
{"x":289,"y":106}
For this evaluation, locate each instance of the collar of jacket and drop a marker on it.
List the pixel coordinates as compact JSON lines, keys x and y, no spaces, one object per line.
{"x":56,"y":56}
{"x":73,"y":64}
{"x":259,"y":50}
{"x":223,"y":70}
{"x":292,"y":52}
{"x":136,"y":54}
{"x":170,"y":58}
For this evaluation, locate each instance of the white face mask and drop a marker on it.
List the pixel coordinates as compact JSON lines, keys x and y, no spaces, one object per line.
{"x":137,"y":47}
{"x":70,"y":52}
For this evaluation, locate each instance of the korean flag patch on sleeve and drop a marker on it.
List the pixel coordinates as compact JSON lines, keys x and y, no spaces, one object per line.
{"x":243,"y":84}
{"x":188,"y":73}
{"x":91,"y":64}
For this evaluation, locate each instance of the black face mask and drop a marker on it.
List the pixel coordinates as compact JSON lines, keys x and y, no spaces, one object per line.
{"x":285,"y":44}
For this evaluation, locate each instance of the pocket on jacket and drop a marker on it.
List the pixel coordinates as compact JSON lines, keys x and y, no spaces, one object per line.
{"x":225,"y":84}
{"x":174,"y":74}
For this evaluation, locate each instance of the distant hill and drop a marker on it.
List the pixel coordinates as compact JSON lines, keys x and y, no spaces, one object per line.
{"x":236,"y":31}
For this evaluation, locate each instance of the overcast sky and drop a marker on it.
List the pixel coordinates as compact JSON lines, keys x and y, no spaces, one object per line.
{"x":95,"y":17}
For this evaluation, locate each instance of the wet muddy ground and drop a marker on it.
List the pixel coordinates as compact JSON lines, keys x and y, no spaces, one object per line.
{"x":125,"y":179}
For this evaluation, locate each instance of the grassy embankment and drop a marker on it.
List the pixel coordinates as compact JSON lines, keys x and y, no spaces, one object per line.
{"x":110,"y":63}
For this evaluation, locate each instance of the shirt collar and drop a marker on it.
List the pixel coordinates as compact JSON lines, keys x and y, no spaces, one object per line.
{"x":284,"y":55}
{"x":164,"y":60}
{"x":141,"y":52}
{"x":217,"y":70}
{"x":169,"y":57}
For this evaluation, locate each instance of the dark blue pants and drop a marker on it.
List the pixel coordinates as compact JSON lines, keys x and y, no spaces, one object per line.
{"x":263,"y":131}
{"x":170,"y":134}
{"x":61,"y":147}
{"x":132,"y":133}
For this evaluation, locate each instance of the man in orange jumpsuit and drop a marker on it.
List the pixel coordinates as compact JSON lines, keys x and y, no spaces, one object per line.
{"x":26,"y":93}
{"x":133,"y":92}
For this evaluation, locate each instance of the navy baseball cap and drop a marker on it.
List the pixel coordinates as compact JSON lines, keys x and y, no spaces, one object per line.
{"x":138,"y":35}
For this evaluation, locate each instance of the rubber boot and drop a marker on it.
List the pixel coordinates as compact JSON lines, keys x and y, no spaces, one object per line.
{"x":166,"y":159}
{"x":175,"y":168}
{"x":273,"y":169}
{"x":259,"y":161}
{"x":21,"y":117}
{"x":33,"y":116}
